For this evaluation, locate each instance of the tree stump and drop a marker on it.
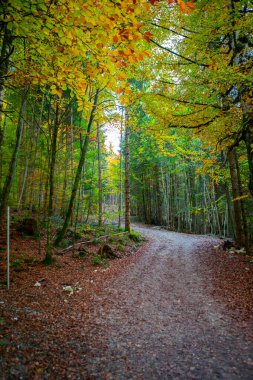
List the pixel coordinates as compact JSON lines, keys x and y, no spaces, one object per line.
{"x":28,"y":226}
{"x":106,"y":251}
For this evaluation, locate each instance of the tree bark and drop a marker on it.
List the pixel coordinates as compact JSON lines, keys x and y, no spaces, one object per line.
{"x":6,"y":51}
{"x":100,"y":189}
{"x":239,"y":231}
{"x":14,"y":158}
{"x":120,"y":168}
{"x":248,"y":139}
{"x":127,"y":173}
{"x":48,"y":258}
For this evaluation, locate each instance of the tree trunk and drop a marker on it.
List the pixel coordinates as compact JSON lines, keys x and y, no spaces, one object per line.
{"x":192,"y":190}
{"x":48,"y":258}
{"x":120,"y":168}
{"x":6,"y":51}
{"x":248,"y":139}
{"x":13,"y":162}
{"x":100,"y":189}
{"x":239,"y":232}
{"x":24,"y":176}
{"x":36,"y":152}
{"x":84,"y":149}
{"x":159,"y":195}
{"x":127,"y":174}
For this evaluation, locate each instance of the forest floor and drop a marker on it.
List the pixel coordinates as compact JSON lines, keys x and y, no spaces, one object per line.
{"x":179,"y":308}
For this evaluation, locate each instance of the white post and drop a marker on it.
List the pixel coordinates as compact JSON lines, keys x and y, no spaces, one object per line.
{"x":8,"y":247}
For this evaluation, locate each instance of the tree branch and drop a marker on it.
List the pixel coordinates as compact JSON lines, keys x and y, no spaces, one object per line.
{"x":169,"y":30}
{"x":199,"y":125}
{"x":178,"y":55}
{"x":188,"y":102}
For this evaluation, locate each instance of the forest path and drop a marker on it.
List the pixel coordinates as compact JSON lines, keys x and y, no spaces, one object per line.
{"x":177,"y":309}
{"x":159,"y":320}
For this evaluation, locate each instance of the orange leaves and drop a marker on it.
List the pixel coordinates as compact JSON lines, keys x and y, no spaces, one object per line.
{"x":145,"y":6}
{"x":182,"y":6}
{"x":124,"y":33}
{"x":121,"y":76}
{"x":130,"y":10}
{"x":128,"y":56}
{"x":128,"y":51}
{"x":124,"y":90}
{"x":147,"y":36}
{"x":116,"y":39}
{"x":190,"y":5}
{"x":143,"y":54}
{"x":90,"y":40}
{"x":185,"y":7}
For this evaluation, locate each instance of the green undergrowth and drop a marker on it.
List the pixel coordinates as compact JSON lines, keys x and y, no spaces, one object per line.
{"x":98,"y":260}
{"x":112,"y":232}
{"x":135,"y":236}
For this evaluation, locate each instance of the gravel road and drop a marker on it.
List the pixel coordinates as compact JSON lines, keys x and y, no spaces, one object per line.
{"x":178,"y":309}
{"x":159,"y":320}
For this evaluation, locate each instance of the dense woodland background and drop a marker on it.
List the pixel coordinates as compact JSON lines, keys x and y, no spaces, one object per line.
{"x":172,"y":78}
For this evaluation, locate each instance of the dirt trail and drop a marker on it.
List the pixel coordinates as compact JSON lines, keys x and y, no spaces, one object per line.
{"x":159,"y":321}
{"x":178,"y":310}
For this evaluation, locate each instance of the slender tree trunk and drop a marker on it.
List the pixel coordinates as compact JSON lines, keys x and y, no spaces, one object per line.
{"x":239,"y":233}
{"x":1,"y":154}
{"x":6,"y":51}
{"x":84,"y":149}
{"x":168,"y":200}
{"x":36,"y":153}
{"x":244,"y":218}
{"x":13,"y":162}
{"x":172,"y":201}
{"x":100,"y":189}
{"x":127,"y":174}
{"x":120,"y":168}
{"x":65,"y":181}
{"x":49,"y":258}
{"x":230,"y":218}
{"x":248,"y":139}
{"x":159,"y":196}
{"x":72,"y":160}
{"x":144,"y":203}
{"x":23,"y":183}
{"x":89,"y":202}
{"x":192,"y":189}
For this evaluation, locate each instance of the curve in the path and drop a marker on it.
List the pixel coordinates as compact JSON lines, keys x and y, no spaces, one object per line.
{"x":157,"y":321}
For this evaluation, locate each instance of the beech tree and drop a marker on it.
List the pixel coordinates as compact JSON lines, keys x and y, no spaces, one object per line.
{"x":203,"y":79}
{"x":183,"y":73}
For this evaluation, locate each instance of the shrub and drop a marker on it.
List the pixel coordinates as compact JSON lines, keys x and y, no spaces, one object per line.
{"x":64,"y":243}
{"x":98,"y":260}
{"x":135,"y":236}
{"x":83,"y":254}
